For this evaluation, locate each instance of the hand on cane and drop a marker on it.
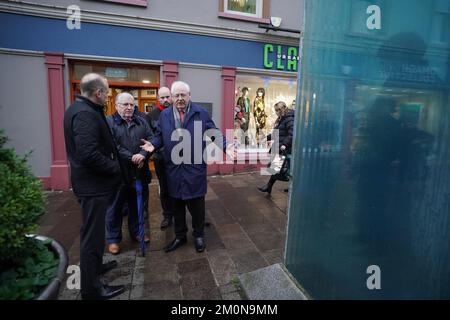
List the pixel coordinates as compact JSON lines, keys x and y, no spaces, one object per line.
{"x":138,"y":159}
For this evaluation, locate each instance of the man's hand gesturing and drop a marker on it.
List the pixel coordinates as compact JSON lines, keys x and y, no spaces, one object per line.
{"x":147,"y":146}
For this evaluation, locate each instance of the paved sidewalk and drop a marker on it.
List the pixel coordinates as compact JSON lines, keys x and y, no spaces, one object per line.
{"x":246,"y":232}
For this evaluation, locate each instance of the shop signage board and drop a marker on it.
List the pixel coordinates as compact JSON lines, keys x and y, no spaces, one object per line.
{"x":281,"y":57}
{"x":116,"y":72}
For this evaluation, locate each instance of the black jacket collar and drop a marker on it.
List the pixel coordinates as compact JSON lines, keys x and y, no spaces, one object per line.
{"x":90,"y":103}
{"x":118,"y":119}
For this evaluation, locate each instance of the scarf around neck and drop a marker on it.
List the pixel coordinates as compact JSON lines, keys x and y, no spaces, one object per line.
{"x":176,"y":115}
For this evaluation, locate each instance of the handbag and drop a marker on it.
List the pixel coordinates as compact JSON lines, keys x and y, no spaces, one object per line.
{"x":283,"y":175}
{"x":276,"y":164}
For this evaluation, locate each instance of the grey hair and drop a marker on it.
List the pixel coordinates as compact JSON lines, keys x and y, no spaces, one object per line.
{"x":180,"y":84}
{"x":122,"y":94}
{"x":90,"y":83}
{"x":281,"y":104}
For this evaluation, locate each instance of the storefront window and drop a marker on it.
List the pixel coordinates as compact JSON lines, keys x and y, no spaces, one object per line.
{"x":140,"y":81}
{"x":369,"y":206}
{"x":248,"y":10}
{"x":119,"y":74}
{"x":252,"y":8}
{"x":254,"y":112}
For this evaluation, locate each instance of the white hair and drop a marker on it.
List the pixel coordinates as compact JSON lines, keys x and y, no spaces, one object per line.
{"x":123,"y":94}
{"x":180,"y":84}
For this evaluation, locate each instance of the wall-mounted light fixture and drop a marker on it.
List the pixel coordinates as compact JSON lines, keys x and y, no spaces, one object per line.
{"x":275,"y":23}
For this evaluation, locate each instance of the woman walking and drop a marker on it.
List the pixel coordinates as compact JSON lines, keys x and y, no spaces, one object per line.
{"x":285,"y":126}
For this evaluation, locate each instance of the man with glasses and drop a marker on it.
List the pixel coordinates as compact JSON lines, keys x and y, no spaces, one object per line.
{"x":128,"y":130}
{"x":164,"y":101}
{"x":96,"y":176}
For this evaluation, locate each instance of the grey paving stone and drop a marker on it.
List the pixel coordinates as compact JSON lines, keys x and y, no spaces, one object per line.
{"x":270,"y":283}
{"x":161,"y":274}
{"x":162,"y":290}
{"x":222,"y":266}
{"x":247,"y":232}
{"x":273,"y":256}
{"x":212,"y":239}
{"x":67,"y":294}
{"x":232,"y":296}
{"x":219,"y":213}
{"x":197,"y":285}
{"x":227,"y":288}
{"x":248,"y":261}
{"x":199,"y":265}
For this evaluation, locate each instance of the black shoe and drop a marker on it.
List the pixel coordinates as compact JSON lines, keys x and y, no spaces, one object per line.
{"x":175,"y":244}
{"x":108,"y":266}
{"x":104,"y":293}
{"x":267,"y":188}
{"x":200,"y":244}
{"x":166,"y":223}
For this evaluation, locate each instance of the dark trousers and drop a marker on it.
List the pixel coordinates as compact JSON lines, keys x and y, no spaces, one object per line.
{"x":92,"y":240}
{"x":114,"y":215}
{"x":166,"y":202}
{"x":197,"y":209}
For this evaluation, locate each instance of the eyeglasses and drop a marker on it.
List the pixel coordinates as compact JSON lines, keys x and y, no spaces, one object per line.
{"x":180,"y":95}
{"x":127,"y":104}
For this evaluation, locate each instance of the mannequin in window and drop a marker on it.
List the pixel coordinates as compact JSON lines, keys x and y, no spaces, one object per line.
{"x":244,"y":103}
{"x":259,"y":111}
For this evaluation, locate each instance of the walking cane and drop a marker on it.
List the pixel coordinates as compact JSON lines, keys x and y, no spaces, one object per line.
{"x":140,"y":209}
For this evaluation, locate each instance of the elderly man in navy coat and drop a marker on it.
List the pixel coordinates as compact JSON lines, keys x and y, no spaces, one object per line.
{"x":186,"y":178}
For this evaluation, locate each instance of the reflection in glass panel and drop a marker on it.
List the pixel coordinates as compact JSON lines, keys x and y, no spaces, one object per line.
{"x":371,"y":160}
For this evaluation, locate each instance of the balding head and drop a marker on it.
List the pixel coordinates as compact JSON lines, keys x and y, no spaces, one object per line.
{"x":164,"y":97}
{"x":94,"y":87}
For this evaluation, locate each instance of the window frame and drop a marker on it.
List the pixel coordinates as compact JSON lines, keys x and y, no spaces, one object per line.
{"x":262,"y":7}
{"x":442,"y":13}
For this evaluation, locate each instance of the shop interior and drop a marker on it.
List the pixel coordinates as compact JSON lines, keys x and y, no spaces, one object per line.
{"x":140,"y":81}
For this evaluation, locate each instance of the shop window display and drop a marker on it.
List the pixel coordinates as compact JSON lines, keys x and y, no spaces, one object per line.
{"x":253,"y":111}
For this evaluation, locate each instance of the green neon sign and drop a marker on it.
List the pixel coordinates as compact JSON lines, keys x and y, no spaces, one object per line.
{"x":284,"y":58}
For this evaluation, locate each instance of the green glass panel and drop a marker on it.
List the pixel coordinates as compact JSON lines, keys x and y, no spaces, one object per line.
{"x":369,"y":211}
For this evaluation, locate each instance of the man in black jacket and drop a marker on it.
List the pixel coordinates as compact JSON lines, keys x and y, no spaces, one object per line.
{"x":96,"y":176}
{"x":128,"y":129}
{"x":165,"y":100}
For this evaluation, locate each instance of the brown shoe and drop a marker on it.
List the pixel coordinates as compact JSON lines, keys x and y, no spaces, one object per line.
{"x":114,"y":248}
{"x":146,"y":239}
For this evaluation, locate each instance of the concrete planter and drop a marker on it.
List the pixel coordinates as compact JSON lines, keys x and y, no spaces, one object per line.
{"x":50,"y":292}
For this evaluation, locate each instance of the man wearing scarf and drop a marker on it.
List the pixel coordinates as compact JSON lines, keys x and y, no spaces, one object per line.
{"x":186,"y":180}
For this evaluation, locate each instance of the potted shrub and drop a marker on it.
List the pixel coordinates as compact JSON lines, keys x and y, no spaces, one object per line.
{"x":31,"y":267}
